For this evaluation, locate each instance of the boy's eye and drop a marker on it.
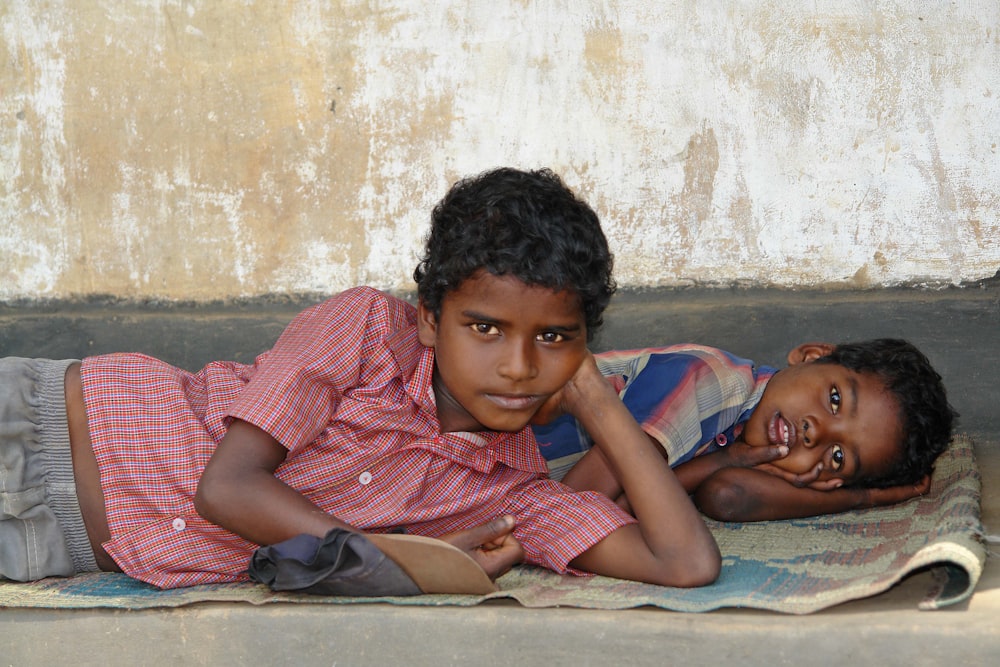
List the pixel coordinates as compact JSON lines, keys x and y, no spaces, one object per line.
{"x":485,"y":328}
{"x":551,"y":337}
{"x":835,"y":399}
{"x":837,"y":457}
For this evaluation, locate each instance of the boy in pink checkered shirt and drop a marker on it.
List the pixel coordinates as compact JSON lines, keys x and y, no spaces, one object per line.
{"x":368,"y":415}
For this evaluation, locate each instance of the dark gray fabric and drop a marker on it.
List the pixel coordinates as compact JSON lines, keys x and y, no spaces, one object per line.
{"x":341,"y":563}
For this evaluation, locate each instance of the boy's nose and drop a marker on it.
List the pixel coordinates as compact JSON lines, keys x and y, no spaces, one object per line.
{"x":809,"y":433}
{"x":819,"y":430}
{"x":519,"y":361}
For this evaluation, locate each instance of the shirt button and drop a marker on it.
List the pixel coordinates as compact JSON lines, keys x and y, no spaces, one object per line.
{"x":722,"y":439}
{"x":179,"y":524}
{"x":365,"y":477}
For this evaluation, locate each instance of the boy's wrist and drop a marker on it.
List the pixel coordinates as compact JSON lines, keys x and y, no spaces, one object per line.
{"x":585,"y":391}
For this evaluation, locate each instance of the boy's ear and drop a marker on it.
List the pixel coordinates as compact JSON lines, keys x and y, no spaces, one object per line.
{"x":426,"y":325}
{"x":809,"y":352}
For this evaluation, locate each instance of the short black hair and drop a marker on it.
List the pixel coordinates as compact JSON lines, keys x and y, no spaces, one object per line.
{"x":525,"y":224}
{"x":925,"y":415}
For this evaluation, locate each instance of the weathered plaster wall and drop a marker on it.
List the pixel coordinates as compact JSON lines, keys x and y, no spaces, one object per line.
{"x":202,"y":149}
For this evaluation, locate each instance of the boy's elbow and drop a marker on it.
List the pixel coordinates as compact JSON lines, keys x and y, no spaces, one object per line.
{"x":723,"y":499}
{"x":702,"y":571}
{"x":698,"y":565}
{"x":203,"y":502}
{"x":208,"y":499}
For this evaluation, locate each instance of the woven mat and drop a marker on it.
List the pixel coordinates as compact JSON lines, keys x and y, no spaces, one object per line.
{"x":794,"y":567}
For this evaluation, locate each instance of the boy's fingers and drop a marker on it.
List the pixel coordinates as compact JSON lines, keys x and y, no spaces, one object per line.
{"x":796,"y":479}
{"x":490,"y":544}
{"x":742,"y":454}
{"x":477,"y":536}
{"x":492,"y":531}
{"x":807,"y":478}
{"x":923,"y":486}
{"x":768,"y":454}
{"x":500,"y":559}
{"x":897,"y":494}
{"x":827,"y":485}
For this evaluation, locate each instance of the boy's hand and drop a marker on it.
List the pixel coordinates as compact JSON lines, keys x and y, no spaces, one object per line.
{"x":741,"y":455}
{"x":864,"y":496}
{"x":896,"y":494}
{"x":570,"y":395}
{"x":809,"y":478}
{"x":491,"y":544}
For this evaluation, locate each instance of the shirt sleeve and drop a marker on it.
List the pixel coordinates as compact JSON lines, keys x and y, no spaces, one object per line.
{"x":326,"y":351}
{"x":687,"y":398}
{"x":556,"y":524}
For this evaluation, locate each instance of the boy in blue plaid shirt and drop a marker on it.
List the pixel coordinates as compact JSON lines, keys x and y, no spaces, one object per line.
{"x":860,"y":425}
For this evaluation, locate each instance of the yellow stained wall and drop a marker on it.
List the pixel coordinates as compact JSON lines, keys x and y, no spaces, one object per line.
{"x":200,"y":150}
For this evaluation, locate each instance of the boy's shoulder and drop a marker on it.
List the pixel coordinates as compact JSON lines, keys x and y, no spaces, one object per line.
{"x":688,"y":364}
{"x":351,"y":320}
{"x":363,"y":302}
{"x":368,"y":294}
{"x":684,"y":352}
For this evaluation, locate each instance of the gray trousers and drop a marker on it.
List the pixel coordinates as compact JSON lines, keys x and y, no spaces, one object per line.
{"x":42,"y":533}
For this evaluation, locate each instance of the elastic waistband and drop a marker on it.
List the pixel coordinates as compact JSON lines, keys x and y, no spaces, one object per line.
{"x":60,"y":487}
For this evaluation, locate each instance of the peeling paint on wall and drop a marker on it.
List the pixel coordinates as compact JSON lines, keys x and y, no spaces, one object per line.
{"x":199,"y":150}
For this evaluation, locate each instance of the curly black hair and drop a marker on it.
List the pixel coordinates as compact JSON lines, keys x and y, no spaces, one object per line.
{"x":925,"y":414}
{"x":526,"y":224}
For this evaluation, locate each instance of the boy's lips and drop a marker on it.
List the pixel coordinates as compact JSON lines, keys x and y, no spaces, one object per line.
{"x":515,"y":401}
{"x":780,"y":431}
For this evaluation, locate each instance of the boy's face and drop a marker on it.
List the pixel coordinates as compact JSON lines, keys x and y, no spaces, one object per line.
{"x":827,"y":414}
{"x":502,"y":348}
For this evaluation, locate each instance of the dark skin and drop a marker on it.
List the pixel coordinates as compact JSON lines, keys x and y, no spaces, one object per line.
{"x":736,"y":484}
{"x":85,"y":471}
{"x":818,"y":428}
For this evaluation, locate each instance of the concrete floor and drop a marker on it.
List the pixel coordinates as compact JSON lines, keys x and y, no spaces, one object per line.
{"x":959,"y":329}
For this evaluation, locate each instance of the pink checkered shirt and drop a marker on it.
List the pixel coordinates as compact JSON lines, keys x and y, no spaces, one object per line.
{"x":347,"y":389}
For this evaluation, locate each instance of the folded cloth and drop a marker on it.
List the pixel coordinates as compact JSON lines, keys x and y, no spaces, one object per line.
{"x":341,"y":563}
{"x":374,"y":565}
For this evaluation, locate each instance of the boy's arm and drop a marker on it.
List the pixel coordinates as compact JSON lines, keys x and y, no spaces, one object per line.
{"x":239,"y":492}
{"x":593,"y":472}
{"x":670,"y":545}
{"x":749,"y":494}
{"x":739,"y":454}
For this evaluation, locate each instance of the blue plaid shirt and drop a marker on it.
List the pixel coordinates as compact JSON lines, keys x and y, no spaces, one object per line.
{"x":690,"y":398}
